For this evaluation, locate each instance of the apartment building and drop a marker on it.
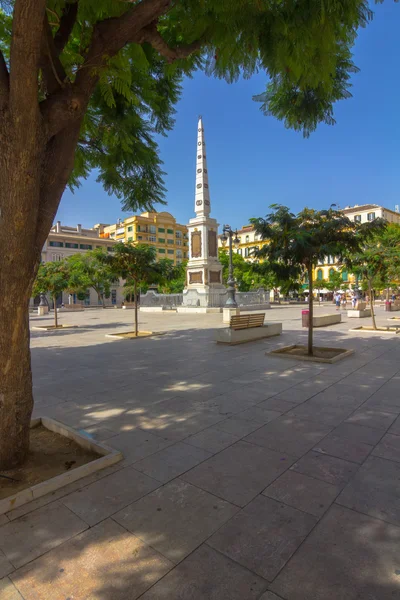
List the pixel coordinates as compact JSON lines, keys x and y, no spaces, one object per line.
{"x":158,"y":229}
{"x":64,"y":240}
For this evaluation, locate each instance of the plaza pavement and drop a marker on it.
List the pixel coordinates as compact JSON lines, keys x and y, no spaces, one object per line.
{"x":245,"y":476}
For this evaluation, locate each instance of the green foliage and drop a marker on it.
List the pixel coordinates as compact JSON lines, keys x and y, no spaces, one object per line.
{"x":173,"y":277}
{"x":52,"y":278}
{"x":136,"y":264}
{"x":90,"y":269}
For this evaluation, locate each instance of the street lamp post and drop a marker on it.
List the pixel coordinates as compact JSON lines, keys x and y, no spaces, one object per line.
{"x":228,"y":233}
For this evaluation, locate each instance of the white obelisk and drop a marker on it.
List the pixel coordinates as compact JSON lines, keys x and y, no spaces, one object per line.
{"x":204,"y":286}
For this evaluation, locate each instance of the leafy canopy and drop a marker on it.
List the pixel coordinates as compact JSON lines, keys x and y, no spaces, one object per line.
{"x":52,"y":278}
{"x":90,"y":269}
{"x":299,"y":241}
{"x":122,"y":65}
{"x":137,"y":264}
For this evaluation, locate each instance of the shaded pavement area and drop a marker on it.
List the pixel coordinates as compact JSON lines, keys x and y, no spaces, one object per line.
{"x":245,"y":476}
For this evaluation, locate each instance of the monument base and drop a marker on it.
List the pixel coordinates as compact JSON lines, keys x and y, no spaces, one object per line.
{"x":204,"y":297}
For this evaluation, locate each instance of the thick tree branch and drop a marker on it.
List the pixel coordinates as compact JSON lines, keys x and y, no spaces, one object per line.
{"x":4,"y":82}
{"x":67,"y":22}
{"x":151,"y":35}
{"x":53,"y":72}
{"x":110,"y":35}
{"x":24,"y":59}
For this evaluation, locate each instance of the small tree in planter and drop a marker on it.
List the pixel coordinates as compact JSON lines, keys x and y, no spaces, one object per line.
{"x":299,"y":241}
{"x":52,"y":278}
{"x":377,"y":263}
{"x":136,"y":264}
{"x":92,"y":270}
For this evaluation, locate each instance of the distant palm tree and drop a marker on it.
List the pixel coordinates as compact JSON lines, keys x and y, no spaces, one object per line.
{"x":298,"y":242}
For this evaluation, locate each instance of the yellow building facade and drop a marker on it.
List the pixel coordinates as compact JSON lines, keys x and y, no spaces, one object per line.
{"x":157,"y":229}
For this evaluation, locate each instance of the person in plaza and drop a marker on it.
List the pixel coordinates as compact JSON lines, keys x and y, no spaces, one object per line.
{"x":344,"y":301}
{"x":337,"y":301}
{"x":353,"y":300}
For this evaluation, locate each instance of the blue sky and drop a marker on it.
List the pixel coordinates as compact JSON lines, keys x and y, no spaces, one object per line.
{"x":253,"y":161}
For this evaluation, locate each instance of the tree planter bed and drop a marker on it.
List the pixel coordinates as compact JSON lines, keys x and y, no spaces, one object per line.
{"x":380,"y":330}
{"x":130,"y":335}
{"x":52,"y":327}
{"x":47,"y":469}
{"x":323,"y":355}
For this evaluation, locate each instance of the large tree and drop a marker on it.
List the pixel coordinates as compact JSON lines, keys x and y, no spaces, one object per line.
{"x":85,"y":84}
{"x":298,"y":242}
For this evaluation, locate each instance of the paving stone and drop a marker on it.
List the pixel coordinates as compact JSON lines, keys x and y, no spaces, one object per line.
{"x":375,"y":490}
{"x":296,"y":395}
{"x":212,"y":439}
{"x":8,"y":591}
{"x":289,"y":434}
{"x":327,"y":468}
{"x":342,"y":448}
{"x":237,"y":426}
{"x":358,"y":433}
{"x":376,"y":419}
{"x":104,"y":562}
{"x":172,"y":461}
{"x":137,"y":444}
{"x":305,"y":493}
{"x":260,"y":415}
{"x":5,"y":566}
{"x":3,"y":520}
{"x":240,"y":472}
{"x":176,"y":518}
{"x":348,"y":556}
{"x":28,"y":537}
{"x":207,"y":574}
{"x":388,"y":447}
{"x":263,"y":536}
{"x":108,"y":495}
{"x":276,"y":403}
{"x":395,"y":428}
{"x":270,"y":596}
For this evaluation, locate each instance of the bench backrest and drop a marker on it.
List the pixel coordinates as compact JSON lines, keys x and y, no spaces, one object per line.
{"x":247,"y":321}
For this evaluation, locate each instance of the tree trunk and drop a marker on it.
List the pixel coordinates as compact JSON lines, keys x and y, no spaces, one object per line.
{"x":16,"y":401}
{"x":55,"y":311}
{"x":136,"y":308}
{"x":372,"y":305}
{"x":310,"y":312}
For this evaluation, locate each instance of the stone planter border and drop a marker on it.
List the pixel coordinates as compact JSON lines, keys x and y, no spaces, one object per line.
{"x":283,"y":353}
{"x":394,"y":330}
{"x":107,"y":457}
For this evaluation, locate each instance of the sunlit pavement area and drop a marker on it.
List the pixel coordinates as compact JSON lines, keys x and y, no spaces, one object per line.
{"x":245,"y":476}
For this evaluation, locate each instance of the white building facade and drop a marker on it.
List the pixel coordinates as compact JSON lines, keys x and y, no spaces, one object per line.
{"x":64,"y":241}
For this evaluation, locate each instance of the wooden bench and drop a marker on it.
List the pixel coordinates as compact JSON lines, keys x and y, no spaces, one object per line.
{"x":247,"y":321}
{"x":247,"y":328}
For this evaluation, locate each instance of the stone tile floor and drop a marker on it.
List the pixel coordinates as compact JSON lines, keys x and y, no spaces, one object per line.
{"x":245,"y":477}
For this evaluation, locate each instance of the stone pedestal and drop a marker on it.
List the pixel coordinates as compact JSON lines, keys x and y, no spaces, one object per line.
{"x":227,"y":313}
{"x":42,"y":310}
